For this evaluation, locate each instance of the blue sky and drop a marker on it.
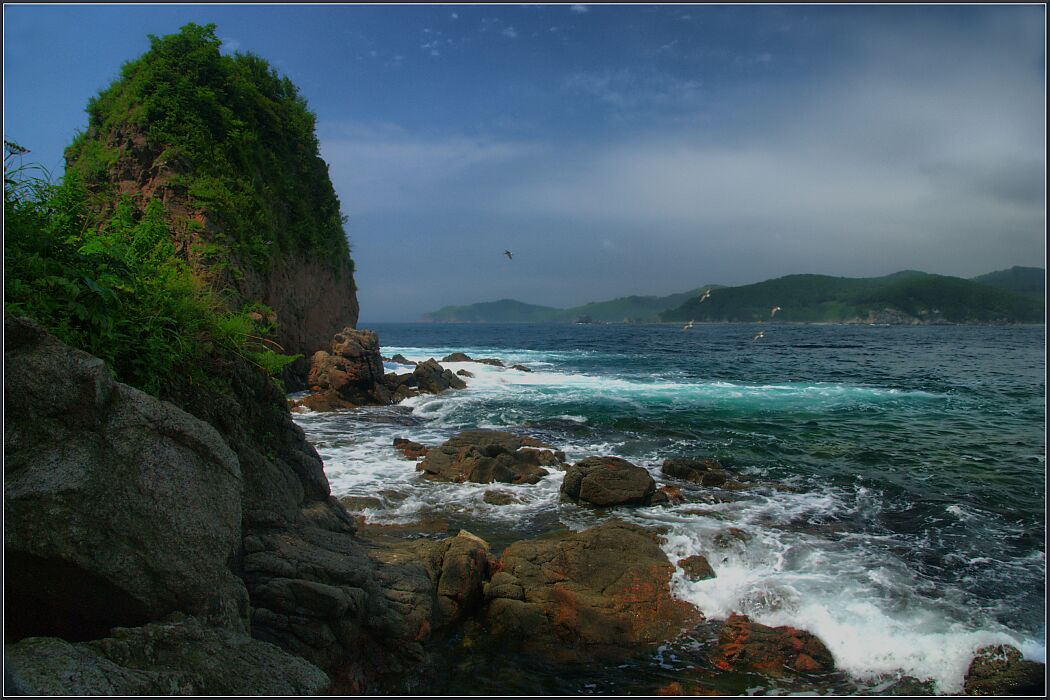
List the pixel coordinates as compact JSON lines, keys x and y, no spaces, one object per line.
{"x":619,"y":149}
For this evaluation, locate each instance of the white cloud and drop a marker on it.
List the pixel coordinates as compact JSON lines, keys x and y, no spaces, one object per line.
{"x":580,"y":9}
{"x":454,"y":15}
{"x":510,"y":32}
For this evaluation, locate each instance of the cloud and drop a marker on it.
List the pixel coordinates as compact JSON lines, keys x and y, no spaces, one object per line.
{"x":579,"y":9}
{"x":637,"y":92}
{"x":454,"y":15}
{"x":510,"y":32}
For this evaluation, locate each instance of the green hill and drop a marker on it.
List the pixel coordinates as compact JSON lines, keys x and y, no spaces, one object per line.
{"x":502,"y":311}
{"x":903,"y":297}
{"x":1029,"y":281}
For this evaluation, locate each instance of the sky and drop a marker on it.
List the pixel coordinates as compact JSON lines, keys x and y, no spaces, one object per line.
{"x":617,"y":150}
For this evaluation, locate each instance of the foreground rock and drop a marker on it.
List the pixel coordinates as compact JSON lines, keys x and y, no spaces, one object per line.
{"x":746,"y":646}
{"x":610,"y":481}
{"x":603,"y":592}
{"x":178,"y":657}
{"x":696,"y":568}
{"x":119,"y":508}
{"x":351,"y":370}
{"x":484,"y":456}
{"x":1001,"y":670}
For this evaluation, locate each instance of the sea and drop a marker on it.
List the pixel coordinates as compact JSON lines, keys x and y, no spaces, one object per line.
{"x":912,"y":530}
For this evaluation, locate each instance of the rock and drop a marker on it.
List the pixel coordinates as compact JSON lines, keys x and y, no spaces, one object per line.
{"x":500,"y":498}
{"x":521,"y":368}
{"x":411,"y":450}
{"x":673,"y":494}
{"x":402,"y":360}
{"x":119,"y":508}
{"x":178,"y":657}
{"x":749,"y":647}
{"x":356,"y":504}
{"x":608,"y":481}
{"x":432,"y":378}
{"x":457,"y":357}
{"x":696,"y":568}
{"x":726,"y":539}
{"x":1001,"y":670}
{"x":599,"y":593}
{"x":484,"y":456}
{"x":490,"y":361}
{"x":464,"y":373}
{"x":706,"y":472}
{"x":352,"y":368}
{"x":459,"y":577}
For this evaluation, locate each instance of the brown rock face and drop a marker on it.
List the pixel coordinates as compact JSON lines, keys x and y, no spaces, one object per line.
{"x":411,"y":450}
{"x":609,"y":481}
{"x":1001,"y":670}
{"x":745,"y":646}
{"x":602,"y":592}
{"x":696,"y":568}
{"x":484,"y":456}
{"x":706,"y":472}
{"x":351,"y":370}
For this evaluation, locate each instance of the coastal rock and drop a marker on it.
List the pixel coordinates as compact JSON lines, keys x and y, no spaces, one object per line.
{"x":521,"y":368}
{"x":180,"y":656}
{"x":499,"y":498}
{"x":746,"y":646}
{"x":457,"y":357}
{"x":484,"y":456}
{"x":402,"y":360}
{"x":696,"y":568}
{"x":706,"y":472}
{"x":411,"y":450}
{"x":119,"y":508}
{"x":351,"y":369}
{"x":490,"y":361}
{"x":608,"y":481}
{"x":602,"y":592}
{"x":464,"y":373}
{"x":432,"y":378}
{"x":459,"y":568}
{"x":1001,"y":670}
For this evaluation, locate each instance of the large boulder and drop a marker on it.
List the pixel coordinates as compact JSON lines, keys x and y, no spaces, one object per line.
{"x":181,"y":656}
{"x":432,"y":378}
{"x":1001,"y":670}
{"x":351,"y":369}
{"x":749,"y":647}
{"x":119,"y":508}
{"x":484,"y":456}
{"x":609,"y":481}
{"x":600,"y":593}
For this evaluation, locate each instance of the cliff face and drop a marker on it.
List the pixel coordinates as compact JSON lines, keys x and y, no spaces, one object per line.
{"x":229,"y":148}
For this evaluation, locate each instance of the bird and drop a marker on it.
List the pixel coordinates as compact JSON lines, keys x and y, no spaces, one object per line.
{"x":510,"y":255}
{"x":703,"y":297}
{"x":773,"y":311}
{"x":760,"y":334}
{"x":687,"y":326}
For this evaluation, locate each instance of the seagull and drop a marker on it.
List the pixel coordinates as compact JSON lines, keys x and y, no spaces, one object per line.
{"x":510,"y":255}
{"x":773,"y":312}
{"x":687,"y":326}
{"x":760,"y":334}
{"x":703,"y":297}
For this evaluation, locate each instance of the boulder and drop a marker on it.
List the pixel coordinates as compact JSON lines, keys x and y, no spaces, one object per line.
{"x":1001,"y":670}
{"x":749,"y":647}
{"x":402,"y":360}
{"x":706,"y":472}
{"x":432,"y":378}
{"x":499,"y":498}
{"x":457,"y":357}
{"x":411,"y":450}
{"x":521,"y":368}
{"x":119,"y":508}
{"x":484,"y":456}
{"x":351,"y":369}
{"x":696,"y":568}
{"x":490,"y":361}
{"x":459,"y":568}
{"x":464,"y":373}
{"x":599,"y":593}
{"x":608,"y":481}
{"x":181,"y":656}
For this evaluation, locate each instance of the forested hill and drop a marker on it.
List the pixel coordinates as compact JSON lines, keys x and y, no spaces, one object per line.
{"x":903,"y":297}
{"x":1029,"y":281}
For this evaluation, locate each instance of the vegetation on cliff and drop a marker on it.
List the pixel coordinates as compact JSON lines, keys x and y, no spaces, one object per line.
{"x":1029,"y":281}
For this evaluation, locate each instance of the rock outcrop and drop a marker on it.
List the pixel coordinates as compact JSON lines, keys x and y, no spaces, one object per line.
{"x":706,"y":472}
{"x":746,"y":646}
{"x":610,"y":481}
{"x":1001,"y":670}
{"x":485,"y":456}
{"x":696,"y":568}
{"x":600,"y":593}
{"x":410,"y":449}
{"x":118,"y":508}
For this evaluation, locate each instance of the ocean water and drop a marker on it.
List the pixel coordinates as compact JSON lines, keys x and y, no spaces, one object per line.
{"x":915,"y":529}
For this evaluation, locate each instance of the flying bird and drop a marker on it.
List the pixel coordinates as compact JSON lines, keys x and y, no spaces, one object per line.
{"x":687,"y":326}
{"x":773,"y":312}
{"x":760,"y":334}
{"x":703,"y":297}
{"x":510,"y":255}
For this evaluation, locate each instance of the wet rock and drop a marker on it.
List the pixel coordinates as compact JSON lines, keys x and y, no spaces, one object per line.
{"x":728,"y":538}
{"x":356,"y":504}
{"x":181,"y":656}
{"x":457,"y":357}
{"x":608,"y":481}
{"x":484,"y":456}
{"x":1001,"y":670}
{"x":706,"y":472}
{"x":402,"y":360}
{"x":461,"y":565}
{"x":500,"y":498}
{"x":464,"y":373}
{"x":598,"y":593}
{"x":696,"y":568}
{"x":411,"y":450}
{"x":746,"y":646}
{"x":520,"y":368}
{"x":490,"y":361}
{"x":351,"y":370}
{"x":432,"y":378}
{"x":673,"y":494}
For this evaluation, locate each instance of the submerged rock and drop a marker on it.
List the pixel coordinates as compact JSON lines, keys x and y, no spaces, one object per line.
{"x":609,"y":481}
{"x":411,"y":450}
{"x":484,"y":456}
{"x":602,"y":592}
{"x":706,"y":472}
{"x":746,"y":646}
{"x":432,"y":378}
{"x":1001,"y":670}
{"x":499,"y":498}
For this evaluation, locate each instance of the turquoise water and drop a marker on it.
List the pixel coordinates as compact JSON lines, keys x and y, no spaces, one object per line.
{"x":916,"y":529}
